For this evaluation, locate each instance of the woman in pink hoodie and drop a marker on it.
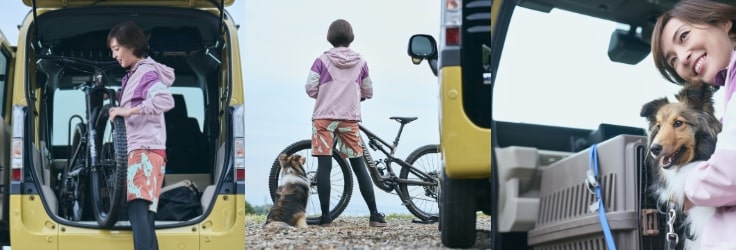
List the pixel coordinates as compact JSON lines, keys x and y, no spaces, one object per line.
{"x":339,"y":81}
{"x":144,"y":97}
{"x":695,"y":43}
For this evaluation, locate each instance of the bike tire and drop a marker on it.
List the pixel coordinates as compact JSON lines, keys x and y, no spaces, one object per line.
{"x":338,"y":200}
{"x":422,"y":201}
{"x":78,"y":205}
{"x":108,"y":182}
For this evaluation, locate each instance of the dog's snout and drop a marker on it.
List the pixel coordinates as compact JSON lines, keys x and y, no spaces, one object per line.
{"x":655,"y":149}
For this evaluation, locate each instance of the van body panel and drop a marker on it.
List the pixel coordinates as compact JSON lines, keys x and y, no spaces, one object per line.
{"x":32,"y":226}
{"x":220,"y":228}
{"x":7,"y":54}
{"x":19,"y":76}
{"x":467,"y":159}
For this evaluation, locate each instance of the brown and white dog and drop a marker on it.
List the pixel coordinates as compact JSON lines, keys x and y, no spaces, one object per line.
{"x":682,"y":135}
{"x":289,"y":210}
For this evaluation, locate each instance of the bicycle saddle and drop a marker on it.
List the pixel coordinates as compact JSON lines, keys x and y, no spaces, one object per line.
{"x":403,"y":120}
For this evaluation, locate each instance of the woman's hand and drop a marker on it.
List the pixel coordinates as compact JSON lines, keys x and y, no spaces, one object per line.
{"x":122,"y":112}
{"x":688,"y":204}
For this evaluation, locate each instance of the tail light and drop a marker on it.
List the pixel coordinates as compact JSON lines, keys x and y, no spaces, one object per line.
{"x":239,"y":143}
{"x":452,"y":21}
{"x":16,"y":144}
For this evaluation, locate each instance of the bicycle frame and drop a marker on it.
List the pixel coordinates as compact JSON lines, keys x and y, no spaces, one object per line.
{"x":390,"y":182}
{"x":94,"y":91}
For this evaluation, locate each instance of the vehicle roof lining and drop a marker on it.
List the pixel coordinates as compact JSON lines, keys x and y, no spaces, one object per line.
{"x":637,"y":13}
{"x":178,"y":37}
{"x":68,"y":23}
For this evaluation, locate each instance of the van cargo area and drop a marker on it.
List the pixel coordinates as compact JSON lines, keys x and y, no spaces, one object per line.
{"x":198,"y":129}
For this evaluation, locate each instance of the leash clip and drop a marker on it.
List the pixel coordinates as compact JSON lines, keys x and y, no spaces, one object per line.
{"x":672,"y":237}
{"x":591,"y":181}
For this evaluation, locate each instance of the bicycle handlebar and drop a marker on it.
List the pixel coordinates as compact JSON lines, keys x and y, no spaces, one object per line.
{"x":79,"y":60}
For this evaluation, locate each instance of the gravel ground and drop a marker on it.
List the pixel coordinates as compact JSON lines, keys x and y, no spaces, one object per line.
{"x":352,"y":232}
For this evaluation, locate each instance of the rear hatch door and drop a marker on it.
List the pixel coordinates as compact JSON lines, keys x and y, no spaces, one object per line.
{"x":171,"y":3}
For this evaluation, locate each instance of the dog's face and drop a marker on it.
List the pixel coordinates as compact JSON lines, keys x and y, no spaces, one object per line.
{"x":292,"y":165}
{"x":683,"y":131}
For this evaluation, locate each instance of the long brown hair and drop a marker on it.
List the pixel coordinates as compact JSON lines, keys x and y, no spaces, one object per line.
{"x":694,"y":12}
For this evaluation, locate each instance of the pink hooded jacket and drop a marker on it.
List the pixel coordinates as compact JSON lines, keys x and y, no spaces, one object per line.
{"x":146,"y":86}
{"x":713,"y":182}
{"x":339,"y":80}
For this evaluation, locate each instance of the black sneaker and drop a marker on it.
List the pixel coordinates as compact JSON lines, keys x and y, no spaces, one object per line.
{"x":377,"y":220}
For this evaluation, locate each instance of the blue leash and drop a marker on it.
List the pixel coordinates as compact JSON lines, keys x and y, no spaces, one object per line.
{"x":592,"y":181}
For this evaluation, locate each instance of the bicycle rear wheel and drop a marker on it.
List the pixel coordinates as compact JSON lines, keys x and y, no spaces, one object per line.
{"x":341,"y":188}
{"x":73,"y":183}
{"x":421,"y":200}
{"x":108,"y":179}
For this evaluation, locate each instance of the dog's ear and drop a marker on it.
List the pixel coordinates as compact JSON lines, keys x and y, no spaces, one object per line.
{"x":282,"y":160}
{"x":649,"y":110}
{"x":698,"y":97}
{"x":302,"y":160}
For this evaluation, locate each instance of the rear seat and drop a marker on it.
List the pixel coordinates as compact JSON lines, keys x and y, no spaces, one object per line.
{"x":185,"y":145}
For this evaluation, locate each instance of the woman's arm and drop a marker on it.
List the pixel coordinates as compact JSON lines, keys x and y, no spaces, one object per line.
{"x":312,"y":86}
{"x":713,"y":183}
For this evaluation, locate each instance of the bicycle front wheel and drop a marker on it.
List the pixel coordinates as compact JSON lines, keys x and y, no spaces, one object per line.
{"x":341,"y":177}
{"x":108,"y":178}
{"x":422,"y":200}
{"x":73,"y":183}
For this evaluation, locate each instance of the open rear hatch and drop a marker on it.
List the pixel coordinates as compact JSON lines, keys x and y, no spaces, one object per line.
{"x":189,"y":37}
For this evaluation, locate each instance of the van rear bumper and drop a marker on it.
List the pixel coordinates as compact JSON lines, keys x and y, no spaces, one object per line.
{"x":32,"y":228}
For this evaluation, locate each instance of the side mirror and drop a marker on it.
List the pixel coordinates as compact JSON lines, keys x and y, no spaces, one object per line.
{"x":422,"y":47}
{"x":627,"y":47}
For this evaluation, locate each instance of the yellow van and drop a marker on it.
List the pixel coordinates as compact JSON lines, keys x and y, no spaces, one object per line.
{"x":42,"y":102}
{"x":462,"y":65}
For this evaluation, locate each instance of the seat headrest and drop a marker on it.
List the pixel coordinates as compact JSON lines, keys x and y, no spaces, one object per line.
{"x":180,"y":108}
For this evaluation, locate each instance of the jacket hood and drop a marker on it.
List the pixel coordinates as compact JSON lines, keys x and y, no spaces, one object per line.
{"x":165,"y":73}
{"x":343,"y":57}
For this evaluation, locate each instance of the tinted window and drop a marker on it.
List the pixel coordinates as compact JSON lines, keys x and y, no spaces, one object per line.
{"x":4,"y":68}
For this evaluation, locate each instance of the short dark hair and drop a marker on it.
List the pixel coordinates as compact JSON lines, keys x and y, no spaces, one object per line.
{"x":129,"y":35}
{"x":340,"y":33}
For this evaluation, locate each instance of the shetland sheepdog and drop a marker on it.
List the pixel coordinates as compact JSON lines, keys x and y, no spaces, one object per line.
{"x":289,"y":210}
{"x":682,"y":135}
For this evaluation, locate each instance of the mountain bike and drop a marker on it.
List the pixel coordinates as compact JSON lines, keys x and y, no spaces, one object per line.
{"x":98,"y":153}
{"x":417,"y":183}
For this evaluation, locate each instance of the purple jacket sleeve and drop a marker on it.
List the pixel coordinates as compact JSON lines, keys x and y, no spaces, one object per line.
{"x":152,"y":96}
{"x":313,"y":80}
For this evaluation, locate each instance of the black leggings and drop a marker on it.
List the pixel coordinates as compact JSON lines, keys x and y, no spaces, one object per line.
{"x":324,"y":168}
{"x":143,"y":223}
